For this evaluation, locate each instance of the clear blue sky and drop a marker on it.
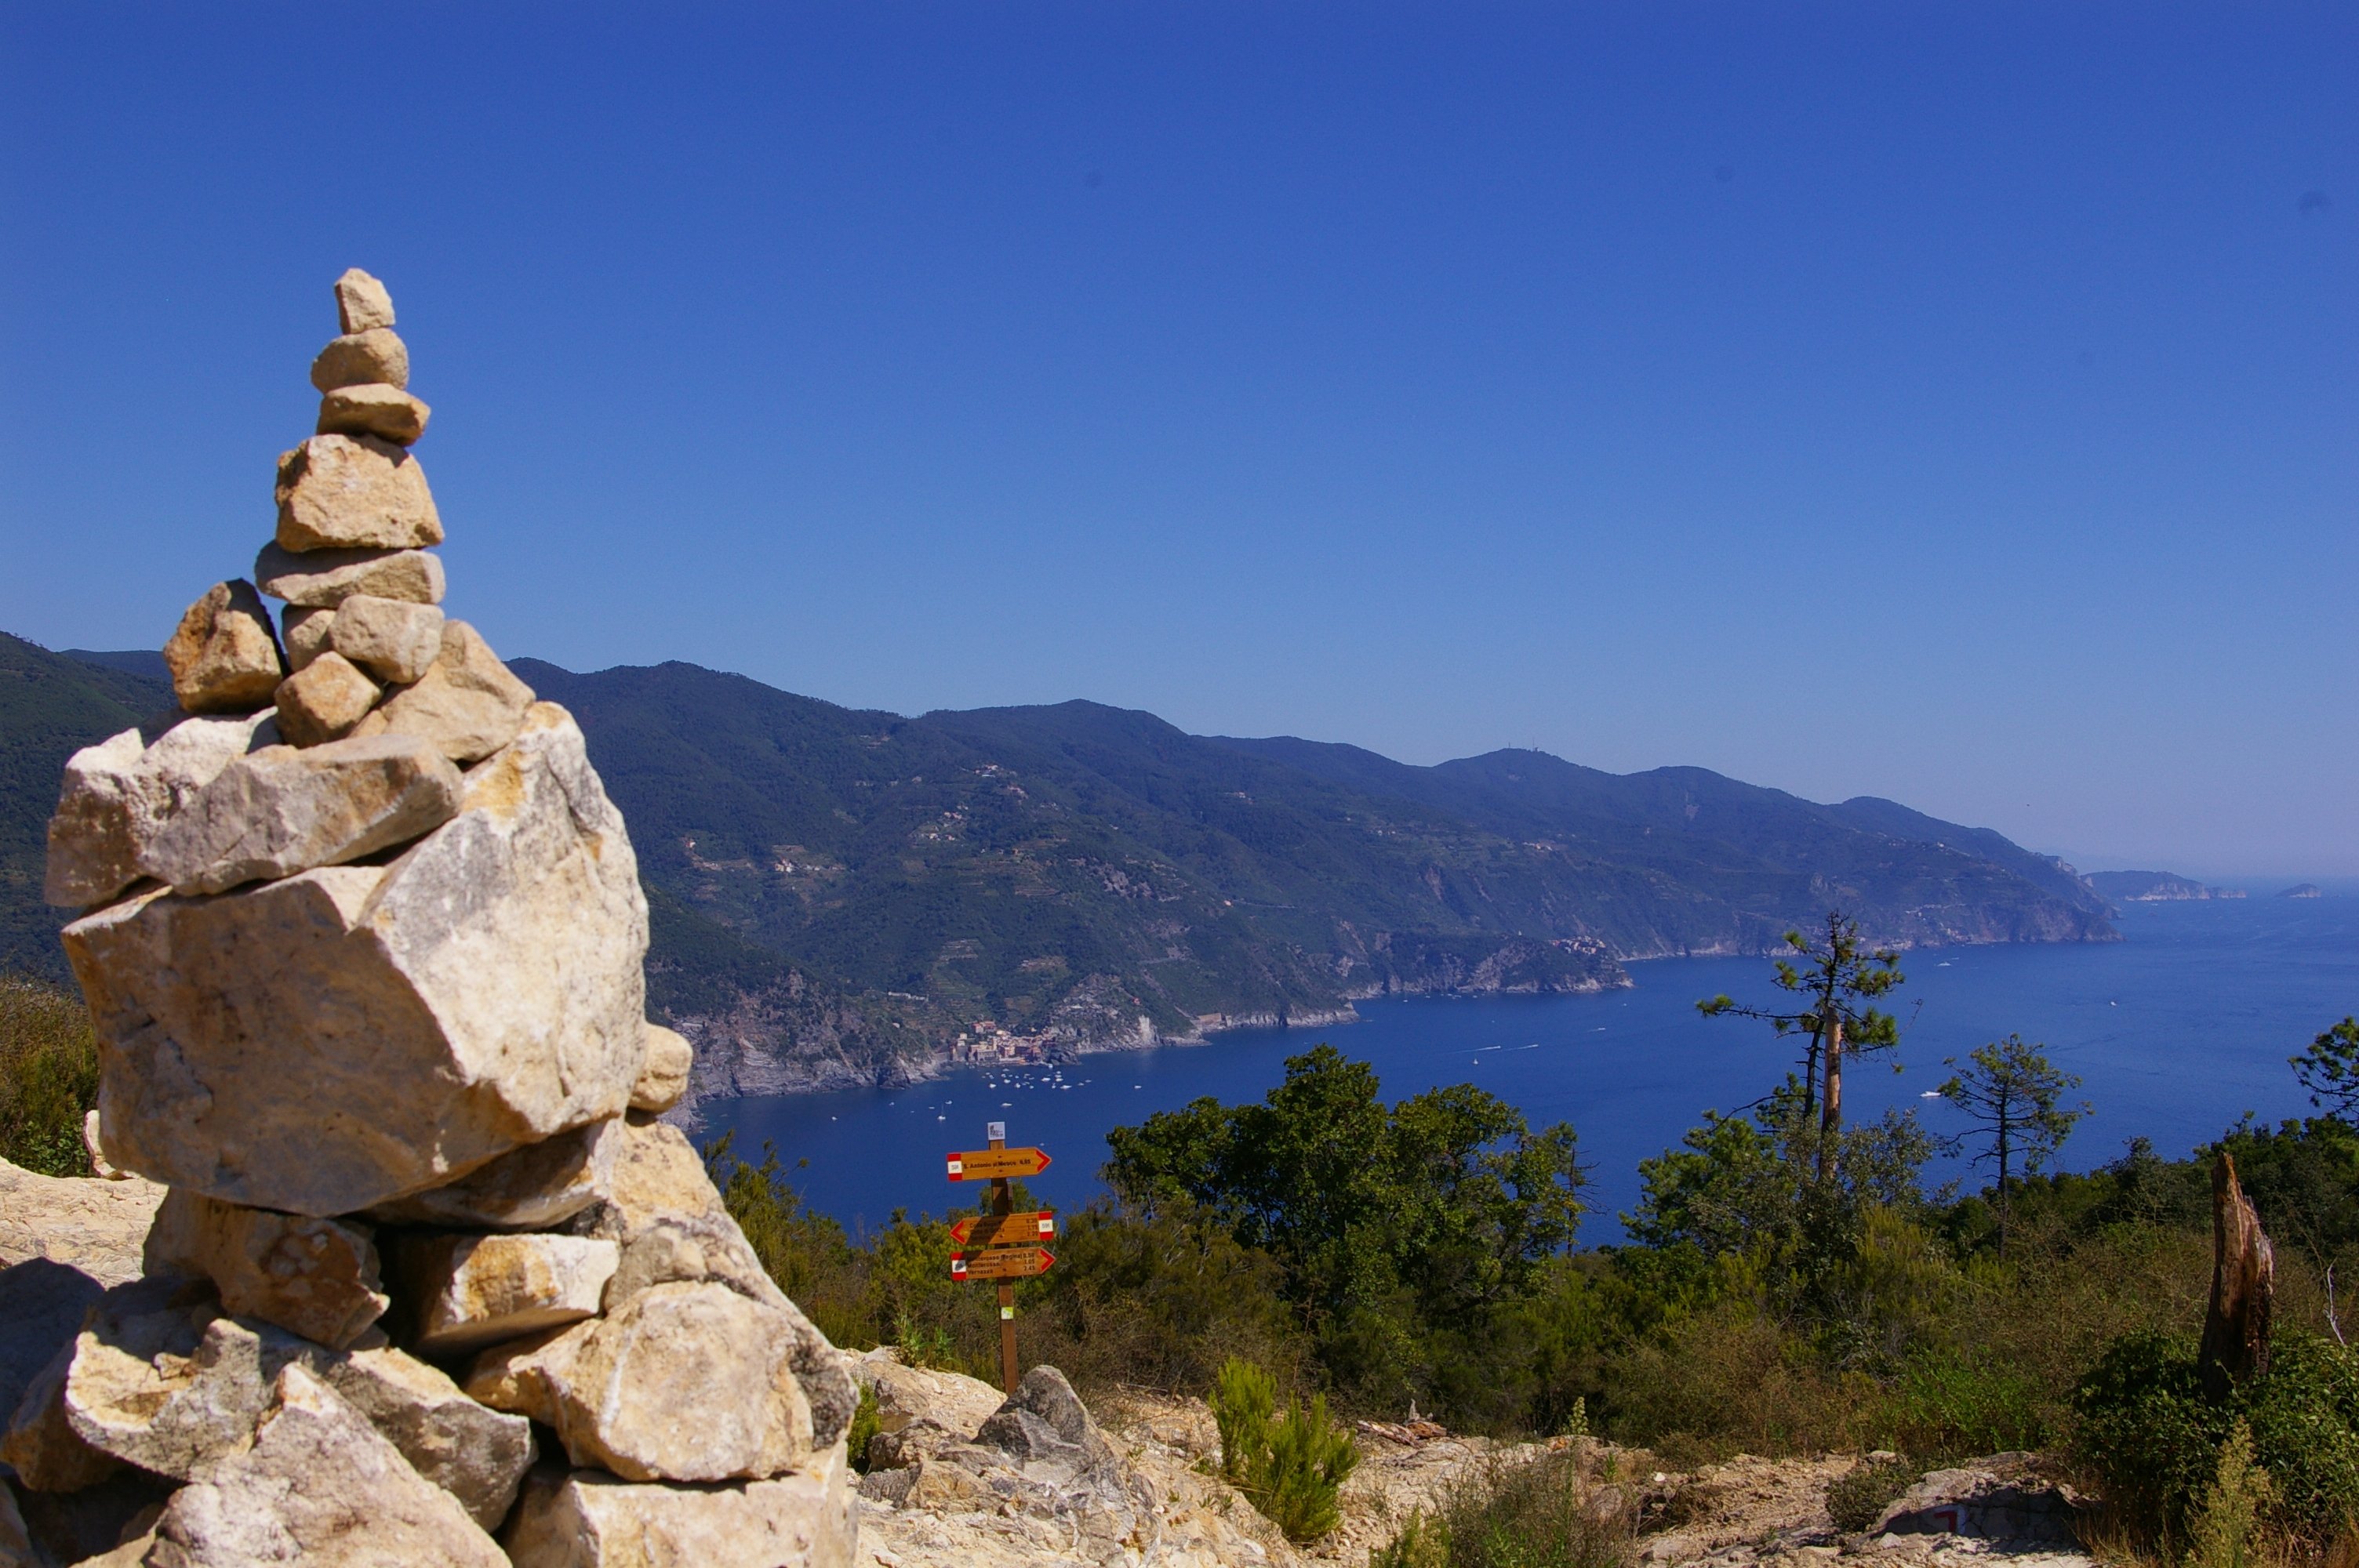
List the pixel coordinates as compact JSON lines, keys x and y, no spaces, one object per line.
{"x":1958,"y":402}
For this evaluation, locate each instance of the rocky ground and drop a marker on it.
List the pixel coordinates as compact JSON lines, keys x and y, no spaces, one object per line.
{"x":1134,"y":1483}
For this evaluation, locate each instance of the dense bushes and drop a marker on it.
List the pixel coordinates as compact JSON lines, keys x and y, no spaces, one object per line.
{"x":1292,"y":1466}
{"x":2146,"y":1429}
{"x":48,"y":1077}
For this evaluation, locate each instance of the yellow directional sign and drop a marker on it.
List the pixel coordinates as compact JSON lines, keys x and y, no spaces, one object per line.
{"x":1005,"y":1229}
{"x":996,"y":1164}
{"x":1002,"y":1264}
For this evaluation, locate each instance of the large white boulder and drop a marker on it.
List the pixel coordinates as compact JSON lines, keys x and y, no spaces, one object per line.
{"x":680,"y":1383}
{"x":350,"y":1035}
{"x":119,"y":795}
{"x":806,"y":1518}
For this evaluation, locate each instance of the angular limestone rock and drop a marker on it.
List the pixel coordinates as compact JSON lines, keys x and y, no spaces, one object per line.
{"x":378,"y":354}
{"x":355,"y":492}
{"x":223,"y":657}
{"x":1047,"y":1431}
{"x":539,"y":1186}
{"x":476,"y":1454}
{"x":324,"y":579}
{"x":306,"y":634}
{"x":278,"y":811}
{"x":663,"y":1081}
{"x":372,"y":409}
{"x":96,"y":1227}
{"x":493,"y":972}
{"x":467,"y":1292}
{"x":468,"y":703}
{"x":668,"y":1218}
{"x":680,"y":1383}
{"x":120,"y":794}
{"x":317,"y":1278}
{"x":362,"y":302}
{"x":391,"y":639}
{"x":585,"y":1519}
{"x":41,"y":1309}
{"x":321,"y":1486}
{"x":323,"y":701}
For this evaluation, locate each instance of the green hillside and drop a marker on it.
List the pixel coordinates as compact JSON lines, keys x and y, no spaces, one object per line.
{"x":50,"y":707}
{"x":837,"y":894}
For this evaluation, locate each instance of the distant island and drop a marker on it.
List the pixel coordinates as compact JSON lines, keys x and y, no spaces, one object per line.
{"x":842,"y":897}
{"x":2303,"y":890}
{"x":2154,"y":887}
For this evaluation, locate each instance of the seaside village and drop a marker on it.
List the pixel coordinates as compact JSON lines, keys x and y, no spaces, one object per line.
{"x":391,"y":1260}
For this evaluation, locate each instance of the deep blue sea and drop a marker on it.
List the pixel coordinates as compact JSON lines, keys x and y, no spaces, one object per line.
{"x":2177,"y":1031}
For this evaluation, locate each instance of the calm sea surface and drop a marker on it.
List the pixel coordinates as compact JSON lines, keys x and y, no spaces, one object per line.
{"x":2177,"y":1031}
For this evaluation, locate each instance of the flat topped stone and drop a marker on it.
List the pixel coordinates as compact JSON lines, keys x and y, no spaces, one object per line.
{"x":492,"y":973}
{"x":97,"y":1226}
{"x":362,"y":302}
{"x":390,"y":638}
{"x":537,"y":1186}
{"x":278,"y":811}
{"x":355,"y":492}
{"x":328,"y":578}
{"x":372,"y":408}
{"x":224,"y":656}
{"x":806,"y":1518}
{"x":467,"y":1292}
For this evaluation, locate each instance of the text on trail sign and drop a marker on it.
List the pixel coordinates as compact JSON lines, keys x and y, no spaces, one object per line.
{"x":996,"y":1164}
{"x":1001,"y":1263}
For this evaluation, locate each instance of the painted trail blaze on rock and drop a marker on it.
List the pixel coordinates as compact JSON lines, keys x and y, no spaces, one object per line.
{"x":363,"y":940}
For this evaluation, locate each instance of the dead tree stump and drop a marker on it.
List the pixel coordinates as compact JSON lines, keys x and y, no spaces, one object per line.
{"x":2243,"y":1288}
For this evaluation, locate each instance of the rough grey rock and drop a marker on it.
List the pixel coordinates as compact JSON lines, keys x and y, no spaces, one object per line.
{"x":224,"y":656}
{"x":390,"y":638}
{"x":323,"y":701}
{"x":375,"y":354}
{"x":682,"y":1382}
{"x":373,"y":409}
{"x":466,"y":1292}
{"x":663,"y":1081}
{"x":355,"y":492}
{"x":468,"y":703}
{"x":323,"y":579}
{"x":120,"y":794}
{"x":1992,"y":1500}
{"x":585,"y":1519}
{"x":1044,"y":1423}
{"x":494,"y":971}
{"x":320,"y":1486}
{"x":316,"y":1278}
{"x":478,"y":1455}
{"x":537,"y":1186}
{"x":97,"y":1226}
{"x":306,"y":634}
{"x":276,"y":812}
{"x":362,"y":301}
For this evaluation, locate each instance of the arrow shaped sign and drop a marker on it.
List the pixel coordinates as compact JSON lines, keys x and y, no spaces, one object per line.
{"x":992,"y":1164}
{"x":1001,"y":1263}
{"x":1005,"y":1229}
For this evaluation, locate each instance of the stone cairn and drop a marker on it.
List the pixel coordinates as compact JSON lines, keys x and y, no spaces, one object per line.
{"x":362,"y":937}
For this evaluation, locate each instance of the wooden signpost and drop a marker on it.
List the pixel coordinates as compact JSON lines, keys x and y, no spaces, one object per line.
{"x":1001,"y":1244}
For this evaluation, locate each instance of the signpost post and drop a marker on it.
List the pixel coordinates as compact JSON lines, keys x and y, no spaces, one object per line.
{"x":1009,"y":1241}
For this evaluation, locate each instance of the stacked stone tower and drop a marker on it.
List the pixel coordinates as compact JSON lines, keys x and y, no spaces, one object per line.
{"x":362,"y":938}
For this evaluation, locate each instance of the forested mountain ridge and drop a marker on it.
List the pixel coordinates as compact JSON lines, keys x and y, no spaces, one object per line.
{"x":839,"y":895}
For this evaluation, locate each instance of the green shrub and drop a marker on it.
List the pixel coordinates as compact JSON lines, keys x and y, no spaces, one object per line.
{"x":1857,"y":1497}
{"x":48,"y":1077}
{"x":1954,"y":1405}
{"x":2157,"y":1443}
{"x":1534,"y":1514}
{"x":2226,"y":1526}
{"x":1291,"y":1469}
{"x":862,"y":1428}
